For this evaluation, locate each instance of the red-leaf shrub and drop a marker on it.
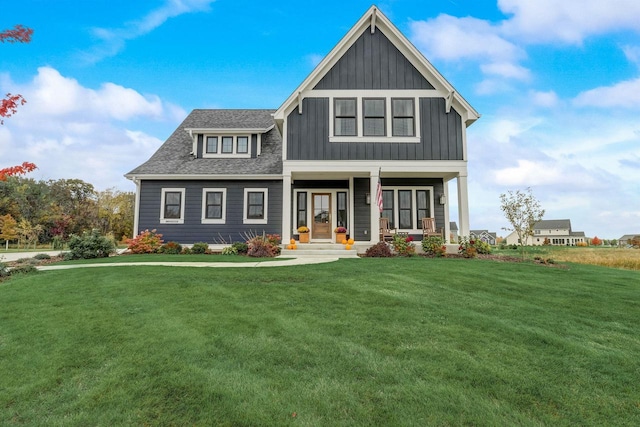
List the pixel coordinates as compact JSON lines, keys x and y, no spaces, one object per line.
{"x":147,"y":242}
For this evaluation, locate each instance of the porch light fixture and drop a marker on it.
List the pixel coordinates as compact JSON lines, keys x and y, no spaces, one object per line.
{"x":367,"y":198}
{"x":443,"y":199}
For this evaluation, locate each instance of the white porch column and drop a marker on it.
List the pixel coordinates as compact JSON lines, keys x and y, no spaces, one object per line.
{"x":463,"y":206}
{"x":286,"y":208}
{"x":447,"y":221}
{"x":373,"y":207}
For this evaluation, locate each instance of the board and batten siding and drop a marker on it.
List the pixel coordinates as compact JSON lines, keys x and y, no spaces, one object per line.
{"x":193,"y":230}
{"x":373,"y":62}
{"x":440,"y":136}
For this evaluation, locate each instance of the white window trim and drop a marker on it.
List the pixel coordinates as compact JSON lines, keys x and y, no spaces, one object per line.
{"x":164,"y":220}
{"x":204,"y":218}
{"x":219,"y":154}
{"x":388,"y":96}
{"x":245,"y":204}
{"x":416,"y":227}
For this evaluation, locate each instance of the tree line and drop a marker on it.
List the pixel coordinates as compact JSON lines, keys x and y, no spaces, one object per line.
{"x":33,"y":212}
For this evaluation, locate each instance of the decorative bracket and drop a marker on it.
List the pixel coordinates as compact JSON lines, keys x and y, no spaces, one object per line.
{"x":448,"y":101}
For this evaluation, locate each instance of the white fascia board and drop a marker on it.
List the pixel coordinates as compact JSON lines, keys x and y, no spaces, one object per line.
{"x":199,"y":177}
{"x":228,"y":130}
{"x":366,"y":167}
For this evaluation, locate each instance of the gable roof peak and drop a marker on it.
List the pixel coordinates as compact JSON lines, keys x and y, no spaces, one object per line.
{"x":375,"y":20}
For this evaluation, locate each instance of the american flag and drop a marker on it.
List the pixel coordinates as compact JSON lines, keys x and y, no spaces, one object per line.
{"x":379,"y":194}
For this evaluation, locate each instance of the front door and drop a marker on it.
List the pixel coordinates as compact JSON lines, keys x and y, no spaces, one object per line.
{"x":321,"y":228}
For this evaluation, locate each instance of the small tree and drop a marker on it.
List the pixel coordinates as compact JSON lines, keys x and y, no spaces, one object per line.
{"x":596,"y":241}
{"x":523,"y":211}
{"x":8,"y":230}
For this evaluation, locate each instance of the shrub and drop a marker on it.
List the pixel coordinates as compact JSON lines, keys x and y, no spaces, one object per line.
{"x":23,"y":269}
{"x":403,"y":245}
{"x":434,"y":245}
{"x":379,"y":250}
{"x":90,"y":245}
{"x":4,"y":270}
{"x":241,"y":247}
{"x":147,"y":242}
{"x":470,"y":248}
{"x":264,"y":247}
{"x":186,"y":250}
{"x":57,"y":243}
{"x":229,"y":250}
{"x":200,"y":248}
{"x":171,"y":248}
{"x":42,"y":256}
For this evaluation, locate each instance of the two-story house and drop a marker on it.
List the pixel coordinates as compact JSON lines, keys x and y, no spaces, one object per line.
{"x":373,"y":111}
{"x":555,"y":232}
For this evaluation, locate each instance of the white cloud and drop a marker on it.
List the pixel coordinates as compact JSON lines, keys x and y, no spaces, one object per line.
{"x":625,"y":94}
{"x":544,"y":99}
{"x":506,"y":69}
{"x":568,"y":21}
{"x":450,"y":38}
{"x":71,"y":131}
{"x":112,"y":41}
{"x":52,"y":94}
{"x":632,"y":53}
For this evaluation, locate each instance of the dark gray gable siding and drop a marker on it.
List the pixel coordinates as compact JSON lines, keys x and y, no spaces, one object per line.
{"x":308,"y":136}
{"x":193,"y":230}
{"x":373,"y":62}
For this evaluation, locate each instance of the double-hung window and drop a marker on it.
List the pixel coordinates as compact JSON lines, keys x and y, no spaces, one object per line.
{"x":212,"y":145}
{"x":213,"y":205}
{"x":405,"y":207}
{"x":255,"y":205}
{"x":403,"y":123}
{"x":227,"y":144}
{"x":374,"y":117}
{"x":172,"y":209}
{"x":345,"y":117}
{"x":242,"y":145}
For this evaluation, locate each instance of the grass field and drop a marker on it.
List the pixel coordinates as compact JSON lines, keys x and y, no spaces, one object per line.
{"x":357,"y":342}
{"x":607,"y":257}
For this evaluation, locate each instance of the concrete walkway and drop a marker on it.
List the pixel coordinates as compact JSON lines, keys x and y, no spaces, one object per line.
{"x":301,"y":260}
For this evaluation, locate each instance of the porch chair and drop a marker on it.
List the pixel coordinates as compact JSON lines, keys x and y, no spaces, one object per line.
{"x":429,"y":228}
{"x":386,"y":233}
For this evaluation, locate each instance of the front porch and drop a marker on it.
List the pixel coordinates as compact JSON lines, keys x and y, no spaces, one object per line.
{"x":345,"y":196}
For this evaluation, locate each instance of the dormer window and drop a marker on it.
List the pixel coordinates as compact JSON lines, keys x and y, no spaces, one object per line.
{"x":226,"y":146}
{"x":212,"y":144}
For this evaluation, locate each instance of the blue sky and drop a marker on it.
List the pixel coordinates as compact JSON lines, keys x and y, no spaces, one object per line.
{"x":557,"y":84}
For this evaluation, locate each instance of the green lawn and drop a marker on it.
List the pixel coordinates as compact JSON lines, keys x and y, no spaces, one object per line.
{"x":357,"y":342}
{"x":169,"y":258}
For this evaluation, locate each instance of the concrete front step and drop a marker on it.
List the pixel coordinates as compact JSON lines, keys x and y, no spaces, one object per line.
{"x":324,"y":249}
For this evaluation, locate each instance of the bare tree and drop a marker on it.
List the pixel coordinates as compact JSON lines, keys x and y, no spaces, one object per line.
{"x":523,"y":211}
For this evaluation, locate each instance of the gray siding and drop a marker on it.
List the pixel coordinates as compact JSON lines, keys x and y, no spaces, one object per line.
{"x":193,"y":230}
{"x":438,"y":188}
{"x":308,"y":136}
{"x":373,"y":62}
{"x":362,"y":211}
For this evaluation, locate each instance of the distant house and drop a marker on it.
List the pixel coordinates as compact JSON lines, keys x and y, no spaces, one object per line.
{"x":484,"y":235}
{"x":557,"y":232}
{"x":373,"y":112}
{"x":624,"y":240}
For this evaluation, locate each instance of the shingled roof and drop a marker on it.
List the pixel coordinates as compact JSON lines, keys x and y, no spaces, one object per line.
{"x":174,"y":158}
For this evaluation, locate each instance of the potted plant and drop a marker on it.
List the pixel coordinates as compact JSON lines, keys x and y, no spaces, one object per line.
{"x":303,"y":231}
{"x":341,"y":234}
